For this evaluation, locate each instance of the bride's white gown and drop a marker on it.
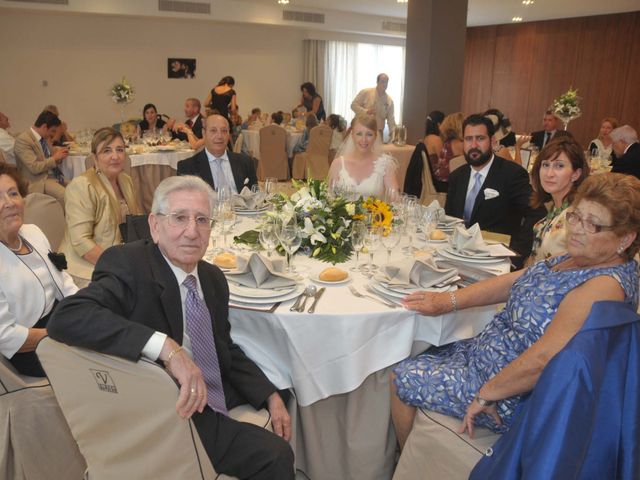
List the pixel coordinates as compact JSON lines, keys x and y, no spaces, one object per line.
{"x":373,"y":185}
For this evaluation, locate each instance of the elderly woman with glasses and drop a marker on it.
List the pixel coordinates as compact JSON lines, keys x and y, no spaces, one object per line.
{"x":481,"y":380}
{"x":96,"y":203}
{"x":31,"y":282}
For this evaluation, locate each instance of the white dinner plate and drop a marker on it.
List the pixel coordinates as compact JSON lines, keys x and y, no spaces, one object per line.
{"x":316,"y":279}
{"x":243,"y":211}
{"x":444,"y":240}
{"x":453,"y":251}
{"x":395,"y":292}
{"x":486,"y":260}
{"x":244,"y":291}
{"x":258,"y":301}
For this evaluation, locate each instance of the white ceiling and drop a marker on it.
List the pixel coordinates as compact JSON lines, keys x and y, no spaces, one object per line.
{"x":481,"y":12}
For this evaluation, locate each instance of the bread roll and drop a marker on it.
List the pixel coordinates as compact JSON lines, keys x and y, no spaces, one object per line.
{"x":225,"y":260}
{"x":438,"y":235}
{"x":333,"y":274}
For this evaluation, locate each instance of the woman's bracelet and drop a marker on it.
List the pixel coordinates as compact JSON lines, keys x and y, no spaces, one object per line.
{"x":454,"y":302}
{"x":173,"y":353}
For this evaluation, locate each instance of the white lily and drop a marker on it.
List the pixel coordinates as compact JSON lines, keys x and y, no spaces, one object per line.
{"x":315,"y":235}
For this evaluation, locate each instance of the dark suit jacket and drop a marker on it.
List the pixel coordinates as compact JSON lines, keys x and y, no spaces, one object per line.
{"x":241,"y":167}
{"x":507,"y":213}
{"x":537,"y":138}
{"x":196,"y":128}
{"x":133,"y":294}
{"x":629,"y":162}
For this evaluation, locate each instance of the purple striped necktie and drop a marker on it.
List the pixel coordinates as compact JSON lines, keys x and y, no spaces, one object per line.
{"x":200,"y":332}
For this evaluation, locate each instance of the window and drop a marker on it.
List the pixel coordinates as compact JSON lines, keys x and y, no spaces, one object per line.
{"x":350,"y":67}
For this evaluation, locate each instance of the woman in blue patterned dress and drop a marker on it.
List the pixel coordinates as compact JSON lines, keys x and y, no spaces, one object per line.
{"x":481,"y":379}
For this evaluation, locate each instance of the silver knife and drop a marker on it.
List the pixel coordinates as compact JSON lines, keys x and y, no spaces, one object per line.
{"x":296,"y":304}
{"x":319,"y":293}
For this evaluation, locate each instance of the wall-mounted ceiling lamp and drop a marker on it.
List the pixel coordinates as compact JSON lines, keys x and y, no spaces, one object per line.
{"x":526,"y":3}
{"x":516,"y":19}
{"x":283,"y":2}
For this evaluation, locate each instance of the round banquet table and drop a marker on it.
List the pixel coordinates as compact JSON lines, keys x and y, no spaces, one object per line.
{"x":337,"y":362}
{"x":251,"y":141}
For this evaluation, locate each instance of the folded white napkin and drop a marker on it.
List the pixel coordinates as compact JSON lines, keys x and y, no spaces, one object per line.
{"x":435,"y":207}
{"x":469,"y":241}
{"x":419,"y":272}
{"x":449,"y":221}
{"x":258,"y":272}
{"x":247,"y":199}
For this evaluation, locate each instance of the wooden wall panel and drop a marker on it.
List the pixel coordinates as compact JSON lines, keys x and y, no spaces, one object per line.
{"x":478,"y":68}
{"x":533,"y":63}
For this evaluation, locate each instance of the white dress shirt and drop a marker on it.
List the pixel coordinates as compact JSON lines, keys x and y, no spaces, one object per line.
{"x":226,"y":169}
{"x":484,"y":171}
{"x":6,"y":145}
{"x":382,"y":104}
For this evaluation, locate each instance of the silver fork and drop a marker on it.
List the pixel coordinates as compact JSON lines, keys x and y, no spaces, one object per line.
{"x":356,"y":293}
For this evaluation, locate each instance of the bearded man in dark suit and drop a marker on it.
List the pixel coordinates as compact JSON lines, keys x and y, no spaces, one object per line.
{"x":490,"y":190}
{"x":215,"y":164}
{"x":158,"y":299}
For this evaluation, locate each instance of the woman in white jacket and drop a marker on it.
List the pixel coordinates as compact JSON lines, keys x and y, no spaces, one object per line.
{"x":31,"y":279}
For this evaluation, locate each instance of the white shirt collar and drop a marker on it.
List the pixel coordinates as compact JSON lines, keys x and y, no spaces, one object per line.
{"x":36,"y":134}
{"x":180,"y":274}
{"x":628,"y":147}
{"x":193,"y":119}
{"x":484,"y":171}
{"x":212,"y":157}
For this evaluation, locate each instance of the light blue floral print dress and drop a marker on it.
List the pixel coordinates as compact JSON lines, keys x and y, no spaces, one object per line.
{"x":446,"y":379}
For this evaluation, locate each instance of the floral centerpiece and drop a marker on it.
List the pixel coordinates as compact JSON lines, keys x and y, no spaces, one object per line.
{"x":122,"y":93}
{"x":325,"y":221}
{"x":567,"y":107}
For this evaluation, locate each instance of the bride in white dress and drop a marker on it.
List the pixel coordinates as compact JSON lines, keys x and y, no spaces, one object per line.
{"x":360,"y":165}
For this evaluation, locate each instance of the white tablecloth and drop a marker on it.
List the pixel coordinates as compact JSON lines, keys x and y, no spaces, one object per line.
{"x":73,"y":165}
{"x":251,"y":141}
{"x":334,"y":350}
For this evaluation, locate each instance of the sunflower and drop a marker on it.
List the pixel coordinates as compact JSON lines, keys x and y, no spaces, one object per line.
{"x":381,"y":213}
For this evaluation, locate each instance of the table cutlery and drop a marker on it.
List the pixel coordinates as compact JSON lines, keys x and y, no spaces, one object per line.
{"x":356,"y":293}
{"x":294,"y":307}
{"x":319,"y":293}
{"x":309,"y":292}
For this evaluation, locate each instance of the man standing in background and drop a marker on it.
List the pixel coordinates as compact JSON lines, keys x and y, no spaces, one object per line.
{"x":376,"y":102}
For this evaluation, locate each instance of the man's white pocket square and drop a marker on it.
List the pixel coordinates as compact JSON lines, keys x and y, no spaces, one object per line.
{"x":490,"y":193}
{"x":246,"y":181}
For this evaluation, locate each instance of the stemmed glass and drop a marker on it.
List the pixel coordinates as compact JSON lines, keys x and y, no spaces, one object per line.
{"x":430,"y":222}
{"x":290,"y":239}
{"x":392,"y":239}
{"x":260,"y":196}
{"x":358,"y":232}
{"x":371,"y":242}
{"x":414,"y":215}
{"x":226,"y":218}
{"x":268,"y":238}
{"x":270,"y":187}
{"x":224,"y":194}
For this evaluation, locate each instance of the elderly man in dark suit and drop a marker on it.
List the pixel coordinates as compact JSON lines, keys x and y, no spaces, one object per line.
{"x":159,"y":300}
{"x":627,"y":150}
{"x":215,"y":164}
{"x":550,"y":130}
{"x":490,"y":190}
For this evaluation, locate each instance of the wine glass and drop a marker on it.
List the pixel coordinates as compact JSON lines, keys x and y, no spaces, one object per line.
{"x":268,"y":238}
{"x":358,"y":232}
{"x":270,"y":187}
{"x":259,"y":195}
{"x":413,"y":218}
{"x":429,"y":222}
{"x":371,"y":243}
{"x":391,"y":240}
{"x":226,"y":218}
{"x":224,"y":194}
{"x":290,"y":239}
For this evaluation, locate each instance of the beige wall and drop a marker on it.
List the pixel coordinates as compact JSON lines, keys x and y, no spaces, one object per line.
{"x":81,"y":56}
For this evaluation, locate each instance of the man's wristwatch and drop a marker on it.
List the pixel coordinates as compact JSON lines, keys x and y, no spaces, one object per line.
{"x":484,"y":403}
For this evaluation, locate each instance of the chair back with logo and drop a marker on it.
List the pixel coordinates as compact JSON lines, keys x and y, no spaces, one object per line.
{"x":273,"y":153}
{"x":429,"y":193}
{"x":35,"y":441}
{"x":314,"y":163}
{"x":45,"y":212}
{"x":122,"y":415}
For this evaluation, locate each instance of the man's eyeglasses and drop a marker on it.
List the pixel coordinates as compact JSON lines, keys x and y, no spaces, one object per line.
{"x":587,"y":225}
{"x":182,"y":220}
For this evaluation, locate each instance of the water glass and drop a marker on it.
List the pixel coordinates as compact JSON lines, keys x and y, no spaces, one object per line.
{"x":371,"y":243}
{"x":358,"y":232}
{"x":391,"y":240}
{"x":268,"y":238}
{"x":290,"y":239}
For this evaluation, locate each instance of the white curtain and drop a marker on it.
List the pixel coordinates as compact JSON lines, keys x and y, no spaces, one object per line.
{"x":350,"y":67}
{"x":314,"y":61}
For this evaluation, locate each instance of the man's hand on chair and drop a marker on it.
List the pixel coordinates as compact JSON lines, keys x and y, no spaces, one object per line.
{"x":193,"y":391}
{"x":280,"y":419}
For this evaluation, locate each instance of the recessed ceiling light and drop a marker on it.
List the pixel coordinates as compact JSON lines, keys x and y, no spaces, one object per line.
{"x":283,"y":2}
{"x":402,"y":1}
{"x":516,"y":19}
{"x":528,"y":2}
